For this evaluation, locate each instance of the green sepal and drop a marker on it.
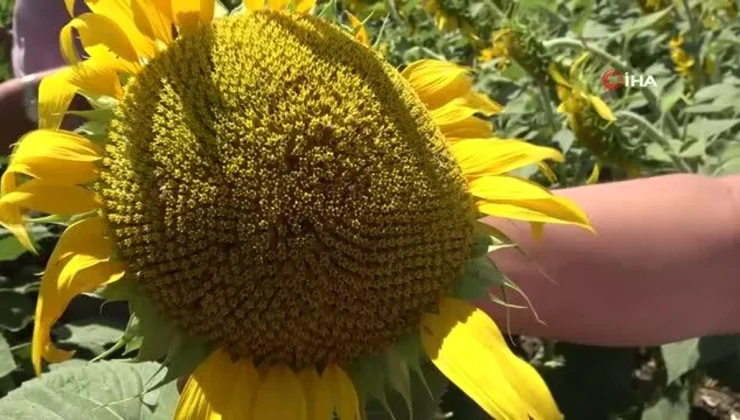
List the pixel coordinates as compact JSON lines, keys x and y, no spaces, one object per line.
{"x":118,"y":291}
{"x":369,"y":377}
{"x":409,"y":348}
{"x":399,"y":377}
{"x":157,"y":332}
{"x":330,"y":11}
{"x":129,"y":341}
{"x":494,"y":238}
{"x":185,"y":355}
{"x":479,"y":275}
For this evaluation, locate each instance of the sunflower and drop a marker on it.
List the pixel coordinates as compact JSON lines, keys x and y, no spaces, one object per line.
{"x":276,"y":189}
{"x":682,"y":60}
{"x":590,"y":118}
{"x":515,"y":42}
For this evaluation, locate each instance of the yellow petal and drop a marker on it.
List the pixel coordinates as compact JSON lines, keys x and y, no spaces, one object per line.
{"x":55,"y":156}
{"x":79,"y":264}
{"x":468,"y":348}
{"x":437,"y":82}
{"x":514,"y":198}
{"x":304,"y":6}
{"x":602,"y":108}
{"x":469,"y":128}
{"x":594,"y":177}
{"x":548,"y":172}
{"x":96,"y":76}
{"x":122,"y":12}
{"x":190,"y":14}
{"x":153,"y":19}
{"x":332,"y":392}
{"x":11,"y":219}
{"x":51,"y":198}
{"x":165,"y":7}
{"x":478,"y":157}
{"x":319,"y":400}
{"x":344,"y":395}
{"x":55,"y":95}
{"x":254,"y":5}
{"x":70,"y":6}
{"x":360,"y":32}
{"x":96,"y":30}
{"x":219,"y":389}
{"x":557,"y":76}
{"x":452,"y":113}
{"x":478,"y":101}
{"x":277,"y":4}
{"x":280,"y":396}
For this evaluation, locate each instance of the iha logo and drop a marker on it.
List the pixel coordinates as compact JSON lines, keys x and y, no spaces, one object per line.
{"x":613,"y":79}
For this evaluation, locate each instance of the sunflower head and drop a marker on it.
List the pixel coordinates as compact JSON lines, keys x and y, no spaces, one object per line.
{"x":590,"y":118}
{"x":682,"y":60}
{"x":516,"y":42}
{"x":270,"y":185}
{"x":248,"y":203}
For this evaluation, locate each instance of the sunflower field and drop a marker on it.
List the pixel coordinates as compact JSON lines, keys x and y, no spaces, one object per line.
{"x":623,"y":89}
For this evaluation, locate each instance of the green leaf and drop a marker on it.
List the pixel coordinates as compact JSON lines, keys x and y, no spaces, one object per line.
{"x":97,"y":391}
{"x":680,"y":357}
{"x":671,"y":96}
{"x":729,"y":161}
{"x":10,"y":248}
{"x":645,"y":22}
{"x":706,"y":108}
{"x":683,"y":356}
{"x":666,"y":408}
{"x":704,"y":128}
{"x":564,"y":139}
{"x":587,"y":8}
{"x":713,"y":91}
{"x":167,"y":402}
{"x":16,"y":310}
{"x":7,"y":361}
{"x":93,"y":334}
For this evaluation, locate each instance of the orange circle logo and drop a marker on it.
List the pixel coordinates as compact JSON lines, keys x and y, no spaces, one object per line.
{"x":612,"y":79}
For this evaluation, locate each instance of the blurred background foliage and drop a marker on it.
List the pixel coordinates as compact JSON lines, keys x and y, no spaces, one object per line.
{"x":543,"y":60}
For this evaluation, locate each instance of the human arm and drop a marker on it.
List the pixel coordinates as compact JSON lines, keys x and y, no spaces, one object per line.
{"x":664,"y":265}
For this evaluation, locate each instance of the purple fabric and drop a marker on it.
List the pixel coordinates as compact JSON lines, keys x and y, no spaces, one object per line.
{"x":36,"y":26}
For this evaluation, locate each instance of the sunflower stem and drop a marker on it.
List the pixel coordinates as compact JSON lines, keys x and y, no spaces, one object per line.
{"x":657,"y":135}
{"x":565,"y":42}
{"x":544,"y":98}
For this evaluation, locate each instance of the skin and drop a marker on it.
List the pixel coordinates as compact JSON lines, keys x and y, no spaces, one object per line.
{"x":662,"y":267}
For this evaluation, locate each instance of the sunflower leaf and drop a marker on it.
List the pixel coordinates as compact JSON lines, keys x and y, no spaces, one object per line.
{"x":73,"y":391}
